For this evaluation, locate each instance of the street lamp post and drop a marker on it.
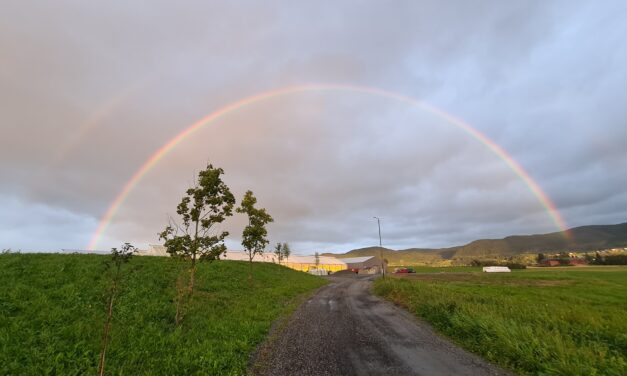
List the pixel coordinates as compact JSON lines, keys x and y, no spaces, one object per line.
{"x":380,"y":247}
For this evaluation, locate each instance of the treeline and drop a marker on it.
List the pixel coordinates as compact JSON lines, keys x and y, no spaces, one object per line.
{"x":509,"y":264}
{"x":599,"y":258}
{"x":610,"y":259}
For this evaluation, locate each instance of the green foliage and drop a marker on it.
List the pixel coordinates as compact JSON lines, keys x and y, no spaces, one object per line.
{"x":286,"y":251}
{"x":620,"y":259}
{"x":553,"y":322}
{"x":278,"y":251}
{"x":208,"y":203}
{"x":118,"y":258}
{"x":446,"y":269}
{"x":282,"y":251}
{"x":121,"y":256}
{"x":509,"y":264}
{"x":51,"y":315}
{"x":254,"y":235}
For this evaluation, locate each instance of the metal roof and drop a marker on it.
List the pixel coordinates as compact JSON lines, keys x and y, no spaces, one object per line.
{"x":355,"y":260}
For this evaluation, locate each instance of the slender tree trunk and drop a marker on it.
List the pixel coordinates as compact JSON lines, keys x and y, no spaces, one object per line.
{"x":250,"y":270}
{"x":177,"y":316}
{"x":180,"y":295}
{"x":192,"y":276}
{"x":107,"y":327}
{"x":193,"y":271}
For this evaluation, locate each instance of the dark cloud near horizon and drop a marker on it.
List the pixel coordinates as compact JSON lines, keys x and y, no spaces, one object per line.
{"x":89,"y":91}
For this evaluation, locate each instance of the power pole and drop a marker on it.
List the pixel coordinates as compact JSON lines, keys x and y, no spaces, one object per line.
{"x":380,"y":246}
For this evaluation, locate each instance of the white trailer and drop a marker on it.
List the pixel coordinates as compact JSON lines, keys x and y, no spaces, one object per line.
{"x":496,"y":269}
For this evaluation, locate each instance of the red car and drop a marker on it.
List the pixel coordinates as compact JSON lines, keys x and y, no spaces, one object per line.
{"x":404,"y":270}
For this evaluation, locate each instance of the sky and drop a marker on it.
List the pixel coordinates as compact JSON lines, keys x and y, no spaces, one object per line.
{"x":89,"y":91}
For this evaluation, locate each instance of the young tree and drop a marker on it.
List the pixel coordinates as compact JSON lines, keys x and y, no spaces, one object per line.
{"x":278,"y":251}
{"x":206,"y":204}
{"x":286,"y":251}
{"x":118,"y":258}
{"x":254,"y":235}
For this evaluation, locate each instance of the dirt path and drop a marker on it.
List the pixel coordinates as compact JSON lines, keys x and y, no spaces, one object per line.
{"x":345,"y":330}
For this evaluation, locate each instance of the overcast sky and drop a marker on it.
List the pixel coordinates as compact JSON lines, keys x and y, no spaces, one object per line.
{"x":90,"y":90}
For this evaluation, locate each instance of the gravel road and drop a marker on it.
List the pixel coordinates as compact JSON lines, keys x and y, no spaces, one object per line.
{"x":345,"y":330}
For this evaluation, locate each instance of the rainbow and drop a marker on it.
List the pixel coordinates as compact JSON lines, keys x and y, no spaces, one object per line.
{"x":533,"y":186}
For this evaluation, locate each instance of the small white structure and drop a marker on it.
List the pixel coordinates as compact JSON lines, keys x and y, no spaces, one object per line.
{"x":496,"y":269}
{"x":315,"y":271}
{"x":154,"y":250}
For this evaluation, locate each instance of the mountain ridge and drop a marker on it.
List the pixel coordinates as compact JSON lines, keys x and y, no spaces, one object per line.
{"x":581,"y":238}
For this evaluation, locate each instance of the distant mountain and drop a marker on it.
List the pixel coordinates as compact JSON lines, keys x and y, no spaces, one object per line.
{"x":584,"y":238}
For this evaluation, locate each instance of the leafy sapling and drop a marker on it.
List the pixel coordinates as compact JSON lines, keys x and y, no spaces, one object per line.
{"x":278,"y":251}
{"x":206,"y":204}
{"x":254,"y":235}
{"x":286,"y":251}
{"x":119,"y":257}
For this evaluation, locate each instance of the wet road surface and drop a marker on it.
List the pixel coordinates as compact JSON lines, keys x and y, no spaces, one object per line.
{"x":345,"y":330}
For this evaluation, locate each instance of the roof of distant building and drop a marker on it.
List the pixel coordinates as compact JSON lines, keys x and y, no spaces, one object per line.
{"x":355,"y":260}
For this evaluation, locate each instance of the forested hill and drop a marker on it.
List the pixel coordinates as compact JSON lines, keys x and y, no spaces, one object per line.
{"x":584,"y":238}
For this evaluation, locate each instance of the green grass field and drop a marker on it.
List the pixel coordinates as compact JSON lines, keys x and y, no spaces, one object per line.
{"x":562,"y":321}
{"x":52,"y":314}
{"x":443,"y":269}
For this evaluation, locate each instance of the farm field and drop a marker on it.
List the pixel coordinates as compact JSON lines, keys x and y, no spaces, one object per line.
{"x":562,"y":321}
{"x":52,"y":311}
{"x":442,"y":269}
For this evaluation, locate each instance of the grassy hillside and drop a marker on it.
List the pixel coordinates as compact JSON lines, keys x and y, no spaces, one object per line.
{"x":584,"y":238}
{"x":402,"y":257}
{"x":52,"y":314}
{"x":555,"y":322}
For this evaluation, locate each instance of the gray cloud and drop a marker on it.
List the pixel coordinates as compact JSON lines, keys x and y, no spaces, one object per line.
{"x":89,"y":92}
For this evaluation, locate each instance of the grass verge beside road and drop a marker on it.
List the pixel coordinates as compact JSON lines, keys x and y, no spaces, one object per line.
{"x":52,"y":314}
{"x":563,"y":322}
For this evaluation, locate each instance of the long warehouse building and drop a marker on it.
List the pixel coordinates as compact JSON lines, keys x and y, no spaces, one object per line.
{"x":366,"y":264}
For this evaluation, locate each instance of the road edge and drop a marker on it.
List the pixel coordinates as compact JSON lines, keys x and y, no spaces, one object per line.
{"x":449,"y":342}
{"x":257,"y":362}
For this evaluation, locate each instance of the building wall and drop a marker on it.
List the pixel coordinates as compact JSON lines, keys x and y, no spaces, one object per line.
{"x":296,"y":262}
{"x":304,"y":267}
{"x":370,"y":263}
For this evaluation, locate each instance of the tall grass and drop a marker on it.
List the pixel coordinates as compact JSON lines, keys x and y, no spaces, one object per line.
{"x":570,"y":322}
{"x":51,"y":315}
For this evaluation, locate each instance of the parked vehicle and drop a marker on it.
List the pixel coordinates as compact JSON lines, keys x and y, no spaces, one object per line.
{"x":404,"y":270}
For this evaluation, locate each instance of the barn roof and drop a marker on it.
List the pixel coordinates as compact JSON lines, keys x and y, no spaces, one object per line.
{"x":355,"y":260}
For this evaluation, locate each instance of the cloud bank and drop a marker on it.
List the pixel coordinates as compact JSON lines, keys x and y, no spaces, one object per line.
{"x":89,"y":91}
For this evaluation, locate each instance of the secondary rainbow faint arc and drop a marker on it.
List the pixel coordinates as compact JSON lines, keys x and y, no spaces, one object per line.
{"x":533,"y":186}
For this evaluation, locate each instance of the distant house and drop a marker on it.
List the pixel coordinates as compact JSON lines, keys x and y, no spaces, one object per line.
{"x":573,"y":261}
{"x":363,"y":265}
{"x":577,"y":261}
{"x":154,"y":250}
{"x":550,"y":262}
